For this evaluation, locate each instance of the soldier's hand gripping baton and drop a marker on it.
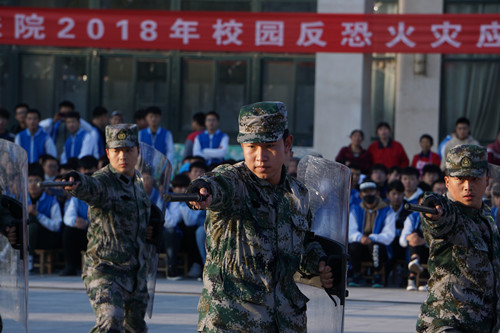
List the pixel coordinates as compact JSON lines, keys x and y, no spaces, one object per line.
{"x":421,"y":209}
{"x":48,"y":184}
{"x":185,"y":197}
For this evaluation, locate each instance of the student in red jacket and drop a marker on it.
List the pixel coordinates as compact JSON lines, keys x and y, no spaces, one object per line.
{"x":355,"y":153}
{"x":426,"y":156}
{"x":387,"y":151}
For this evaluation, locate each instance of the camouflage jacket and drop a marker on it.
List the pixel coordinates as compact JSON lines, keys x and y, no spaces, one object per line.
{"x":256,"y":241}
{"x":119,"y":214}
{"x":464,"y":263}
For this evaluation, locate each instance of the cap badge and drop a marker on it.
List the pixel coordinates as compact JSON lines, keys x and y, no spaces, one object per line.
{"x":121,"y":136}
{"x":465,"y":162}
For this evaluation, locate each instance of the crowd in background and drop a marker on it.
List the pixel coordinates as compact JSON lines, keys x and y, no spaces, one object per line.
{"x":381,"y":231}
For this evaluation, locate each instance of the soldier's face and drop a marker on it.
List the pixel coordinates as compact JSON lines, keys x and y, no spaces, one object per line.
{"x":265,"y":160}
{"x":468,"y":191}
{"x":123,"y":159}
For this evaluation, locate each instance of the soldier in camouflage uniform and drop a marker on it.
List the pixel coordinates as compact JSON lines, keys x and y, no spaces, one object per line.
{"x":257,"y":228}
{"x":116,"y":258}
{"x":464,"y":242}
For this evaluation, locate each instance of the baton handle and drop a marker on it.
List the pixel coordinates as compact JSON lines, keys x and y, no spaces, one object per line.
{"x":421,"y":209}
{"x":170,"y":197}
{"x":55,"y":184}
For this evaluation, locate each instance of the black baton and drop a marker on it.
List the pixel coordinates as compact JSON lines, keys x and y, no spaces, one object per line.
{"x":421,"y":209}
{"x":55,"y":184}
{"x":170,"y":197}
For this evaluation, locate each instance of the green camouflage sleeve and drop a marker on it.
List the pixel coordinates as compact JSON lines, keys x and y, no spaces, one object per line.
{"x":446,"y":223}
{"x":223,"y":182}
{"x":92,"y":190}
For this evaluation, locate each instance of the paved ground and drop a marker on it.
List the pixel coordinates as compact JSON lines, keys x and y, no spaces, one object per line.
{"x":59,"y":304}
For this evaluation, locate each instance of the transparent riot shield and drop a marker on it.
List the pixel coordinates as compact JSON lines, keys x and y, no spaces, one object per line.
{"x":155,"y":170}
{"x":494,"y":173}
{"x":14,"y":212}
{"x":329,"y":188}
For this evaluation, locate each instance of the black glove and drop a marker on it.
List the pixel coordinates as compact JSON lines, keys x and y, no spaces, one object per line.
{"x":434,"y":200}
{"x":197,"y":184}
{"x":74,"y":174}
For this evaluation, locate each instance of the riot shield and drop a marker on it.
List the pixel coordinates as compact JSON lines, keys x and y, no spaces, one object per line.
{"x":14,"y":212}
{"x":329,"y":188}
{"x":155,"y":170}
{"x":494,"y":171}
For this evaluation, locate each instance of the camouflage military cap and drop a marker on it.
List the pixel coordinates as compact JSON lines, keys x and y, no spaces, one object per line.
{"x":262,"y":122}
{"x":467,"y":161}
{"x":122,"y":135}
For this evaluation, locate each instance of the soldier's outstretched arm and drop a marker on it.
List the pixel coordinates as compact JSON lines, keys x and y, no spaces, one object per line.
{"x":88,"y":189}
{"x":201,"y":205}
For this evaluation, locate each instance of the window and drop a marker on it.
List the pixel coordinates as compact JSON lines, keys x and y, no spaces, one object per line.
{"x":291,"y":81}
{"x":151,"y":83}
{"x":117,"y":84}
{"x":383,"y":84}
{"x":470,"y":83}
{"x":214,"y":84}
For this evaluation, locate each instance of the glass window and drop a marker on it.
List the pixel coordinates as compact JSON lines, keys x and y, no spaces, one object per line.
{"x":135,"y":4}
{"x":470,"y":83}
{"x":303,"y":117}
{"x":288,"y":6}
{"x":6,"y":88}
{"x":243,"y":5}
{"x":53,"y":3}
{"x":72,"y":81}
{"x":117,"y":84}
{"x":231,"y":93}
{"x":197,"y":89}
{"x":151,"y":83}
{"x":383,"y":82}
{"x":37,"y":82}
{"x":292,"y":83}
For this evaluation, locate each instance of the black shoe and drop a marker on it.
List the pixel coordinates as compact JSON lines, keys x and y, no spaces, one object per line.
{"x":69,"y":272}
{"x":173,"y":275}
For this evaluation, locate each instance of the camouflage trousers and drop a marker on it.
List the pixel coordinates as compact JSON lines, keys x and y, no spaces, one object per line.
{"x":117,"y":310}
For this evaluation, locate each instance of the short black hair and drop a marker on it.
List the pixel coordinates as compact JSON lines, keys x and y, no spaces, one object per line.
{"x":47,"y":157}
{"x":73,"y":162}
{"x":383,"y":124}
{"x":34,"y":111}
{"x":35,"y":169}
{"x":212,"y":113}
{"x":438,"y":181}
{"x":69,"y":104}
{"x":431,"y":168}
{"x":394,"y":168}
{"x":427,"y":136}
{"x":198,"y":164}
{"x":4,"y":113}
{"x":395,"y":185}
{"x":99,"y":111}
{"x":410,"y":171}
{"x":21,"y":105}
{"x":462,"y":120}
{"x":72,"y":114}
{"x":357,"y":131}
{"x":199,"y":118}
{"x":139,"y":114}
{"x":87,"y":162}
{"x":153,"y":109}
{"x":180,"y":180}
{"x":378,"y":166}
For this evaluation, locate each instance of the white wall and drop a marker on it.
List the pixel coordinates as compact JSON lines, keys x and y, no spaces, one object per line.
{"x":342,"y":89}
{"x":417,"y":95}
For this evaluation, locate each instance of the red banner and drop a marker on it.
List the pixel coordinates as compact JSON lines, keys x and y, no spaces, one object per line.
{"x":250,"y":32}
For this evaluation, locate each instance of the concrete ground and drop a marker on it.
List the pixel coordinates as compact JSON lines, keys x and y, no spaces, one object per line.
{"x":60,"y":304}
